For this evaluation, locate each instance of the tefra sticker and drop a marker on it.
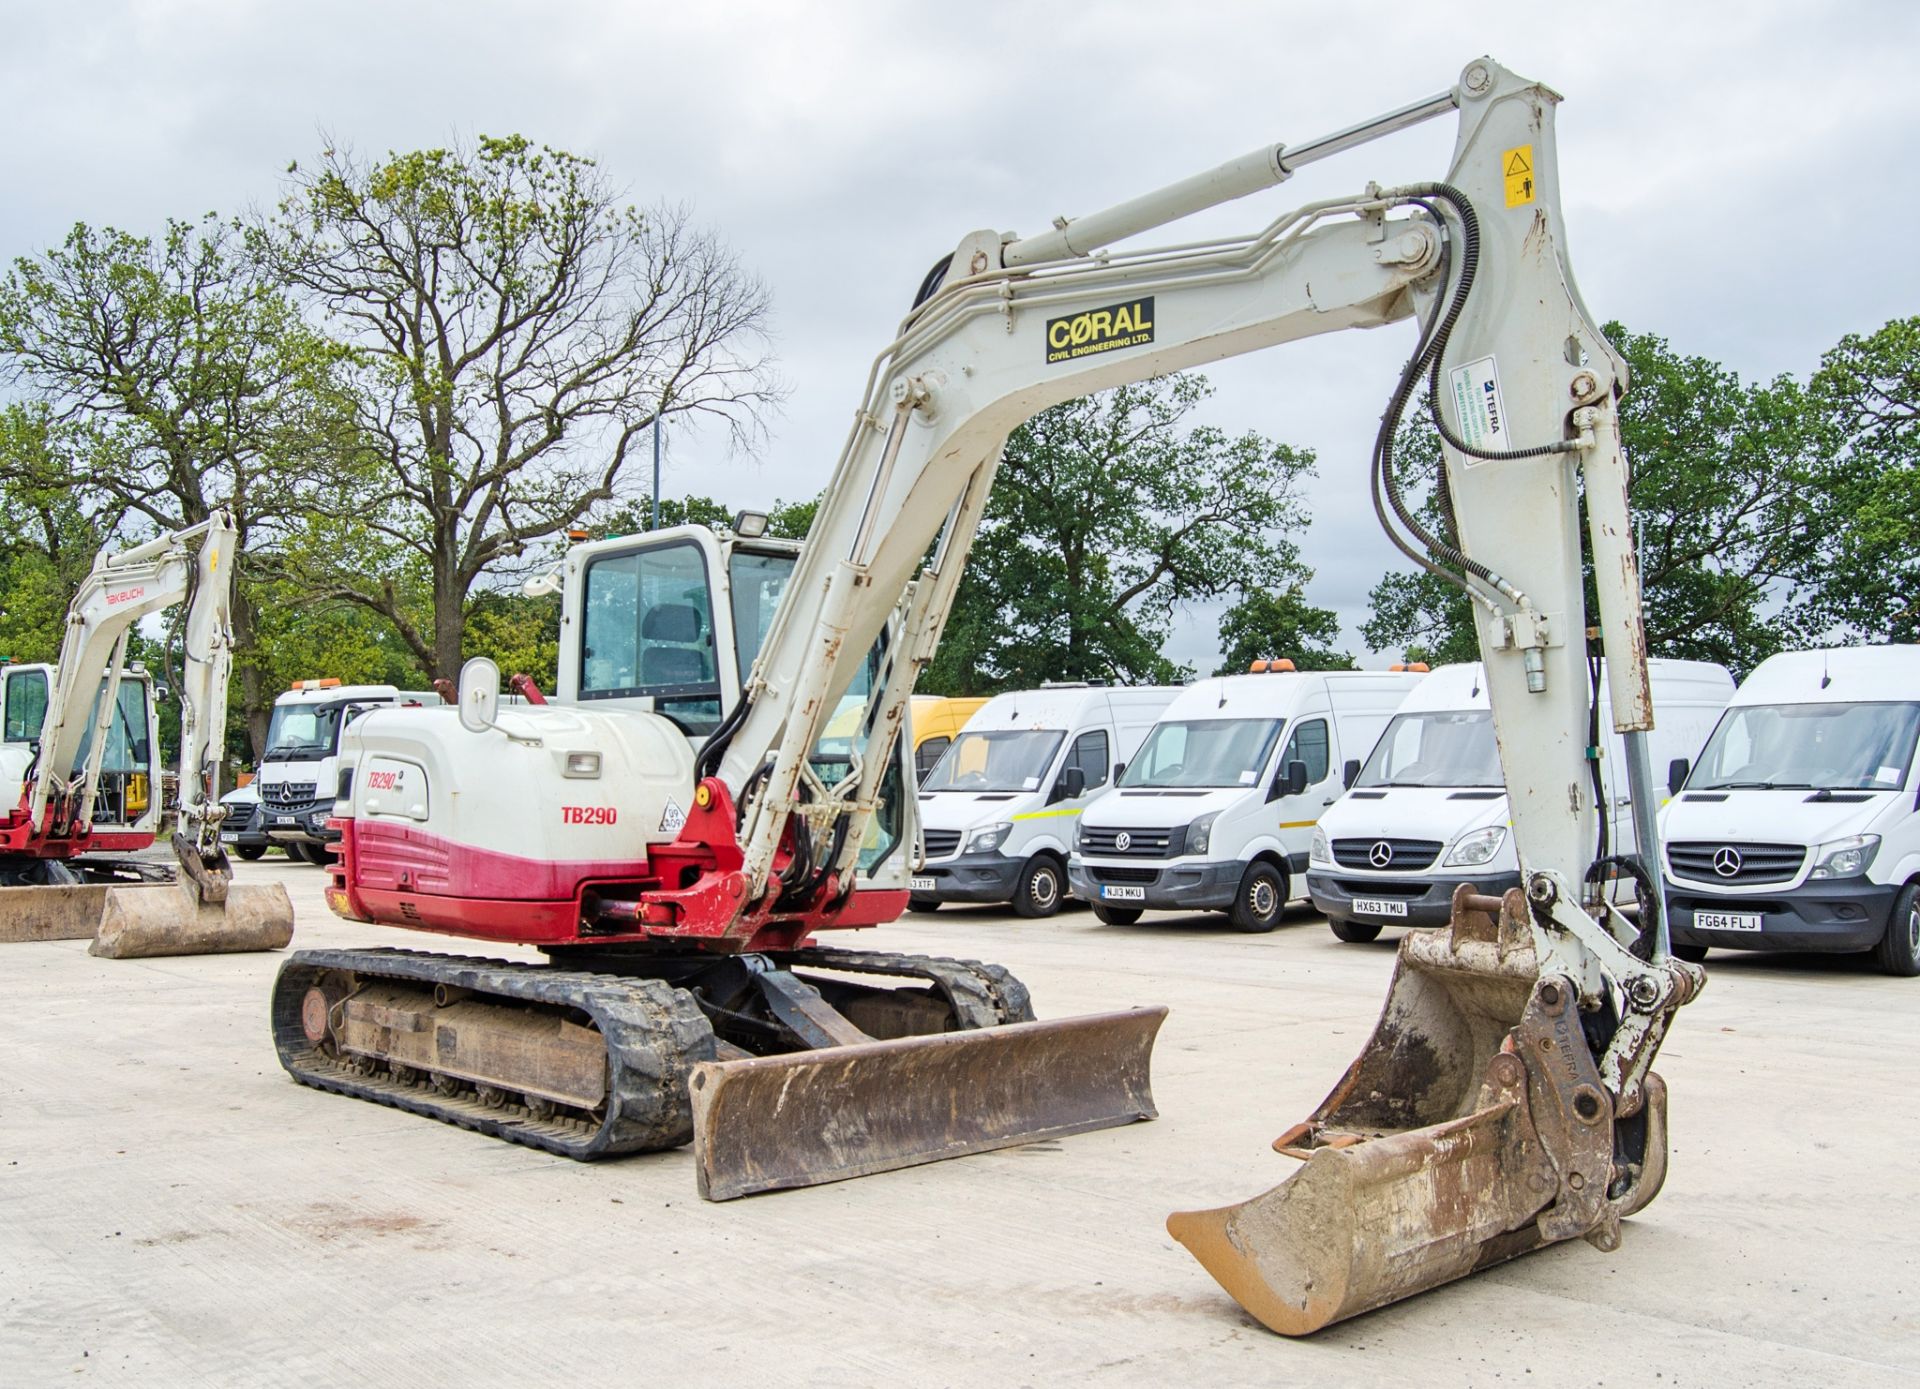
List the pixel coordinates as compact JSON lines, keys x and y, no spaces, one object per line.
{"x":673,"y":817}
{"x":1479,"y":406}
{"x":1100,"y":330}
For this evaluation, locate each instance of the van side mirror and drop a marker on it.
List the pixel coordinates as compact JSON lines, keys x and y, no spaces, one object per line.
{"x":479,"y":694}
{"x":1677,"y":775}
{"x":1072,"y":784}
{"x":1119,"y":770}
{"x":1291,"y":781}
{"x":1349,"y":774}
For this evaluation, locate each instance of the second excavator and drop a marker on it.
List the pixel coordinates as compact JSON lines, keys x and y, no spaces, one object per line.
{"x":670,"y":835}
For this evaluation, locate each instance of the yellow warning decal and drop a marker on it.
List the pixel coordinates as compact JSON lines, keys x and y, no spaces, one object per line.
{"x":1517,"y":166}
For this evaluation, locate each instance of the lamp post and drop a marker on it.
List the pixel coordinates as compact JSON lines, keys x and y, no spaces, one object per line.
{"x":656,"y":473}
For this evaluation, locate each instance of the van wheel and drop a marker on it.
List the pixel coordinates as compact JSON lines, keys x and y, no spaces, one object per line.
{"x":1354,"y":932}
{"x":1899,"y":949}
{"x":1692,"y":954}
{"x":316,"y":854}
{"x":250,"y":852}
{"x":1116,"y":916}
{"x":1038,"y":893}
{"x":1259,"y":900}
{"x":927,"y":905}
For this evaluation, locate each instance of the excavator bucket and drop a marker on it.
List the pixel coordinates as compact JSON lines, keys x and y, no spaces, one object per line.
{"x":69,"y":911}
{"x":171,"y":919}
{"x":772,"y":1122}
{"x":1470,"y":1130}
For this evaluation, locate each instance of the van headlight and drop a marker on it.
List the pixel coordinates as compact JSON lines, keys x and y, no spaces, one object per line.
{"x":1844,"y":858}
{"x":1472,"y":850}
{"x":1199,"y":832}
{"x":989,"y":838}
{"x":1320,"y":852}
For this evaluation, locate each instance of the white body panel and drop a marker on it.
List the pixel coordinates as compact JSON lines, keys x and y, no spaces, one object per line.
{"x":1320,"y":717}
{"x":1453,"y":814}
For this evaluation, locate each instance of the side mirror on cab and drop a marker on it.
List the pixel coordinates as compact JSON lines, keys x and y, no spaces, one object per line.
{"x":1291,"y":781}
{"x":1350,"y":773}
{"x":1072,"y":784}
{"x":1677,"y":771}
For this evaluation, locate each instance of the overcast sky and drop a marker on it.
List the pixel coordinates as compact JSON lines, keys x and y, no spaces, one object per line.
{"x":1737,"y":177}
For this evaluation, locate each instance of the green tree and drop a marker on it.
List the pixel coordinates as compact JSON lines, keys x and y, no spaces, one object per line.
{"x":175,"y":378}
{"x":514,"y":332}
{"x":1865,"y":399}
{"x":1270,"y":623}
{"x":1721,"y":510}
{"x":1108,"y":513}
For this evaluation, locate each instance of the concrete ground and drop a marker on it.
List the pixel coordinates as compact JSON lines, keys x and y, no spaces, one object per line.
{"x":174,"y":1210}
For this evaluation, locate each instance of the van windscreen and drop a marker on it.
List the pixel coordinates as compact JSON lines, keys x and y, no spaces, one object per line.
{"x":1013,"y":760}
{"x":1441,"y":747}
{"x":1203,"y":752}
{"x":1809,"y":747}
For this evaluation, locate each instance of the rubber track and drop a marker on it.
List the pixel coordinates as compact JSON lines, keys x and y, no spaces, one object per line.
{"x":654,"y":1035}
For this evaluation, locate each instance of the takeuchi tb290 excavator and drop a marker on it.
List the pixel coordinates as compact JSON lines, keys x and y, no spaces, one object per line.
{"x":61,"y":722}
{"x":670,"y":836}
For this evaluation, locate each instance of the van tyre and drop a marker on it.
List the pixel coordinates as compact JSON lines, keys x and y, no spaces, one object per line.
{"x":1116,"y":916}
{"x":250,"y":852}
{"x":316,"y":854}
{"x":1260,"y":899}
{"x":1899,"y":949}
{"x":1692,"y":954}
{"x":1354,"y":932}
{"x":927,"y":905}
{"x":1040,"y":889}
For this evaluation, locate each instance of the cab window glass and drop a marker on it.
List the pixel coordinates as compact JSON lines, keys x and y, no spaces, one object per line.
{"x":647,"y":629}
{"x":1309,"y":745}
{"x":1089,"y":754}
{"x":126,"y":747}
{"x":26,"y":705}
{"x":756,"y":582}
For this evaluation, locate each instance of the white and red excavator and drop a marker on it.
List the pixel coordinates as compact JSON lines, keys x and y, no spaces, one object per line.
{"x":669,"y":833}
{"x":77,"y":763}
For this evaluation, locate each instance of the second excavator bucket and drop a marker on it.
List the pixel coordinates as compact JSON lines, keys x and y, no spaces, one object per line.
{"x":772,"y":1122}
{"x":172,"y":919}
{"x":52,"y":911}
{"x":1470,"y":1130}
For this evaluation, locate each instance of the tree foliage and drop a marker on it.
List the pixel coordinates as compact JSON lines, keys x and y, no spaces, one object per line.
{"x":513,"y":332}
{"x":1271,"y":623}
{"x":1865,"y":404}
{"x":1109,"y":512}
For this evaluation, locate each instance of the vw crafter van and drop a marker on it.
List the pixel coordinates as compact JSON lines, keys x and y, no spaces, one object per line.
{"x":1428,"y":811}
{"x":1216,"y":811}
{"x":998,"y":809}
{"x":1799,"y":826}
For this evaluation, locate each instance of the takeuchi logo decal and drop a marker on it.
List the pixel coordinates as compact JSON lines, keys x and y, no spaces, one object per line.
{"x":1100,"y":330}
{"x":125,"y":595}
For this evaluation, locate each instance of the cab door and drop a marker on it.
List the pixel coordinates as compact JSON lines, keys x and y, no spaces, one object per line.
{"x":1303,"y":786}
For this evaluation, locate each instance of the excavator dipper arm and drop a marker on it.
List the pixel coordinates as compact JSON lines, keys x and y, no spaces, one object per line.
{"x":1507,"y":1098}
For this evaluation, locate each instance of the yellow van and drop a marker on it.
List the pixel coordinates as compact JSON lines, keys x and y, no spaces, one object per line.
{"x":936,"y":719}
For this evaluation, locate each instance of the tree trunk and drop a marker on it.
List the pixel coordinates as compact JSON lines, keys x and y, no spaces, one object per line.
{"x":449,"y":621}
{"x":256,"y":702}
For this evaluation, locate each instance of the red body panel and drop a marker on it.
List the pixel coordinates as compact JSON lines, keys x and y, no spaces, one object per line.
{"x":691,"y":890}
{"x":18,"y":836}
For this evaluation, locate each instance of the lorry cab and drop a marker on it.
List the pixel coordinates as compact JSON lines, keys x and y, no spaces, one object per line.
{"x":1797,"y":827}
{"x":999,"y":807}
{"x":1216,"y":811}
{"x":299,"y":773}
{"x":1428,"y":809}
{"x":126,"y":812}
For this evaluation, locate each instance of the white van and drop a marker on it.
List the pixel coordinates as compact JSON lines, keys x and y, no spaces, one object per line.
{"x":1216,"y":810}
{"x":1428,"y":811}
{"x":299,"y":772}
{"x":998,"y":809}
{"x":1798,"y":828}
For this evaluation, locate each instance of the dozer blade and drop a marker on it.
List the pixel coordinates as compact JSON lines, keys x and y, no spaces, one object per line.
{"x":1470,"y":1130}
{"x":773,"y":1122}
{"x":168,"y":919}
{"x":50,"y":912}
